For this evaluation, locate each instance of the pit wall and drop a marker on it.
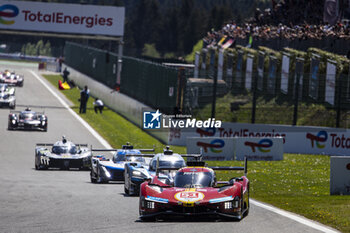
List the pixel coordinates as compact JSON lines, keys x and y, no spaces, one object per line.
{"x":129,"y":108}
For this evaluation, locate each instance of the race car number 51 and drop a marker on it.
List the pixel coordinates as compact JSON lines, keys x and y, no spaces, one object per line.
{"x":189,"y":196}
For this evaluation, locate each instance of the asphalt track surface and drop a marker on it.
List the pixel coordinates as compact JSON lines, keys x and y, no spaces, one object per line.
{"x":66,"y":201}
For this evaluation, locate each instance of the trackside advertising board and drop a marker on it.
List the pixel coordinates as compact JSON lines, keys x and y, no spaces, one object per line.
{"x":213,"y":148}
{"x":62,"y":18}
{"x":340,"y":175}
{"x":305,"y":140}
{"x":259,"y":148}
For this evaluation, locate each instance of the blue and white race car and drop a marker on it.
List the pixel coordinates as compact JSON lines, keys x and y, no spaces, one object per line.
{"x":137,"y":172}
{"x":104,"y":170}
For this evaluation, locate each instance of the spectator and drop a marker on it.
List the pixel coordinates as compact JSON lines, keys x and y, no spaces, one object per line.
{"x":98,"y":105}
{"x":84,"y":97}
{"x":65,"y":75}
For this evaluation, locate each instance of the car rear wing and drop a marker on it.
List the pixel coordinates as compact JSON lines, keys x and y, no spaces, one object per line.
{"x":44,"y":144}
{"x":140,"y":155}
{"x":51,"y":144}
{"x":198,"y":158}
{"x":113,"y":149}
{"x":18,"y":112}
{"x":203,"y":164}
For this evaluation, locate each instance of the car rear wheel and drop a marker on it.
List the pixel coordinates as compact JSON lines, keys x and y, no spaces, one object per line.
{"x":126,"y":191}
{"x":246,"y":204}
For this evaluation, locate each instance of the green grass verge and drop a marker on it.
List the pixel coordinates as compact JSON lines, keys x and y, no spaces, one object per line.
{"x":299,"y":183}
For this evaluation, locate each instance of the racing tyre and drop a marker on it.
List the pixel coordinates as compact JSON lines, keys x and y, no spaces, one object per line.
{"x":148,"y":219}
{"x":99,"y":179}
{"x":92,"y":179}
{"x":126,"y":191}
{"x":247,"y":205}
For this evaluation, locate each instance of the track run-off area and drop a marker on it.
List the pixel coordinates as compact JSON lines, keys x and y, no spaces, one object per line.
{"x":66,"y":201}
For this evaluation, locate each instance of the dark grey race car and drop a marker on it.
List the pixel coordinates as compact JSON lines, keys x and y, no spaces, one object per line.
{"x":62,"y":154}
{"x":27,"y":120}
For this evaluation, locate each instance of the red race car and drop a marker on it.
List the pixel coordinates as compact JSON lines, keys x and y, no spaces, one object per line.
{"x":195,"y":192}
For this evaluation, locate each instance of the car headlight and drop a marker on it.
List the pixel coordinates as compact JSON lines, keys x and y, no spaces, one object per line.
{"x":13,"y":122}
{"x":149,"y":204}
{"x":106,"y":172}
{"x":43,"y":123}
{"x":228,"y":205}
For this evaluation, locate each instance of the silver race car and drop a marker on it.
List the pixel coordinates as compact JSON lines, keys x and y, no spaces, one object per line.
{"x":104,"y":170}
{"x":7,"y":96}
{"x":62,"y":154}
{"x":136,"y":172}
{"x":27,"y":120}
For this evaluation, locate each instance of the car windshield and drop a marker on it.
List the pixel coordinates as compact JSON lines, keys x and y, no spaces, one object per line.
{"x":193,"y":179}
{"x":135,"y":159}
{"x":64,"y":149}
{"x":169,"y":163}
{"x":172,"y":164}
{"x":122,"y":157}
{"x":28,"y":116}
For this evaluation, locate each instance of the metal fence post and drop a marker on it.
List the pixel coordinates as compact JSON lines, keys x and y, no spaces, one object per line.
{"x":339,"y":101}
{"x":298,"y":71}
{"x":215,"y":81}
{"x":254,"y":97}
{"x":120,"y":62}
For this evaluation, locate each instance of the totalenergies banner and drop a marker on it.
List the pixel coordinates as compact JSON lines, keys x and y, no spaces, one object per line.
{"x":259,"y":148}
{"x":212,"y":148}
{"x":296,"y":139}
{"x":62,"y":18}
{"x":231,"y":148}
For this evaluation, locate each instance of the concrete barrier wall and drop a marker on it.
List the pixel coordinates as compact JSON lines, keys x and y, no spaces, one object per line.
{"x":129,"y":108}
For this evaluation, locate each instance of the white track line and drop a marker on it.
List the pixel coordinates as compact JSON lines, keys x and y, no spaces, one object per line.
{"x":284,"y":213}
{"x":294,"y":217}
{"x":87,"y":126}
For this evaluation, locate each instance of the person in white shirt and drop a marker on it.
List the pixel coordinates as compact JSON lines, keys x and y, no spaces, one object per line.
{"x":98,"y":105}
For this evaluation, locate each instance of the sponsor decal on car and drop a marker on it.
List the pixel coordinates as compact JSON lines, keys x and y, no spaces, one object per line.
{"x":189,"y":196}
{"x":157,"y":199}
